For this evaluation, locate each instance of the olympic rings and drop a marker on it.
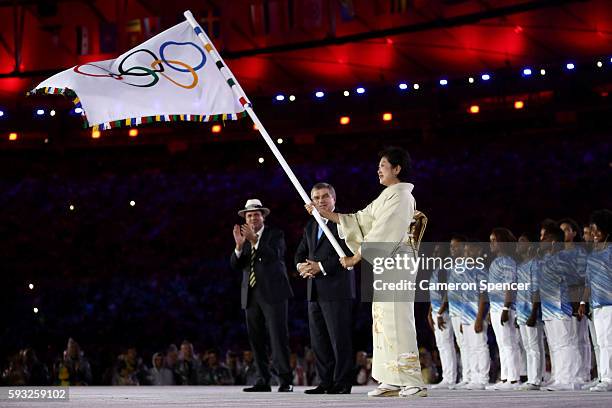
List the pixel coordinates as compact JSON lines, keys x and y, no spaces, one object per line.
{"x":187,"y":69}
{"x":156,"y":67}
{"x":164,"y":45}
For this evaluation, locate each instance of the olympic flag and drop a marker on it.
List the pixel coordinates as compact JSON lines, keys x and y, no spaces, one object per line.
{"x":167,"y":78}
{"x":170,"y":77}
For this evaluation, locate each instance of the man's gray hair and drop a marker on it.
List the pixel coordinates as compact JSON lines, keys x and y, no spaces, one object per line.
{"x":322,"y":185}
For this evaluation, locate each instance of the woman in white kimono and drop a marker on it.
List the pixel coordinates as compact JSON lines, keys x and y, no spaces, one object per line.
{"x":395,"y":362}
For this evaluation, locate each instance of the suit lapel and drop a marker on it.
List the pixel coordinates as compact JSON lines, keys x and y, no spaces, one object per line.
{"x":264,"y":235}
{"x":313,"y":235}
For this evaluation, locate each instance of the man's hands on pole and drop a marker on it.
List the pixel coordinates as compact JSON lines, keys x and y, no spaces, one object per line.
{"x":348,"y":262}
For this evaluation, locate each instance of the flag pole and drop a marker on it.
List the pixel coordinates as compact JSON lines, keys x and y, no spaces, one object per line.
{"x":241,"y":95}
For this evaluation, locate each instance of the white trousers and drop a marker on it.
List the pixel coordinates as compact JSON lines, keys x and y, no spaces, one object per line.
{"x":602,"y":317}
{"x":445,"y":340}
{"x":465,"y":365}
{"x":584,"y":348}
{"x":507,"y":337}
{"x":533,"y":342}
{"x":564,"y":359}
{"x":595,"y":345}
{"x":477,"y":349}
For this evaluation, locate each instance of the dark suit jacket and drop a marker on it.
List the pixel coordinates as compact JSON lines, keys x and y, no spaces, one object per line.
{"x":270,"y":269}
{"x":339,"y":283}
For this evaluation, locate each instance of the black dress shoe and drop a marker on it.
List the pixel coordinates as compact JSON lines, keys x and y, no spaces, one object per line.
{"x":319,"y":390}
{"x":285,"y":388}
{"x":340,"y":389}
{"x":258,"y":388}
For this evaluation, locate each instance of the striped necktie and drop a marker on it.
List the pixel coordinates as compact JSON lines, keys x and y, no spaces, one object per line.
{"x":252,"y":280}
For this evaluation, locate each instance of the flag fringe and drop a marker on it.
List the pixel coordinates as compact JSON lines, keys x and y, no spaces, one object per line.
{"x":129,"y":122}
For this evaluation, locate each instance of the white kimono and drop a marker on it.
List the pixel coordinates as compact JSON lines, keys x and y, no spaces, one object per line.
{"x":387,"y":219}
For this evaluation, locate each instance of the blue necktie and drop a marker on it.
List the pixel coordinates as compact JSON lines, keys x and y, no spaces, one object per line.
{"x":319,"y":233}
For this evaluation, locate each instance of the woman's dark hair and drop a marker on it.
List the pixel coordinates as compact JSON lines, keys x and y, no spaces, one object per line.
{"x":503,"y":235}
{"x":603,"y":220}
{"x":552,"y":229}
{"x":397,"y":157}
{"x":574,"y":225}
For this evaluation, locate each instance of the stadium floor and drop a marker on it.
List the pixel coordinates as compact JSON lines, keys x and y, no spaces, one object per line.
{"x":211,"y":396}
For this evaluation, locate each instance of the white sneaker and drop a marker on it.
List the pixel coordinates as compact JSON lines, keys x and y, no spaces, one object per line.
{"x":458,"y":386}
{"x":601,"y":387}
{"x":410,"y":392}
{"x":590,"y":384}
{"x":563,"y":387}
{"x":505,"y":386}
{"x":475,"y":386}
{"x":528,"y":387}
{"x":443,"y":385}
{"x":493,"y":386}
{"x":385,"y":390}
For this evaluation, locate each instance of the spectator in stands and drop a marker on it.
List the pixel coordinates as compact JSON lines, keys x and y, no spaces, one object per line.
{"x":188,"y":365}
{"x":129,"y":369}
{"x":73,"y":368}
{"x":428,"y":369}
{"x":299,"y":377}
{"x":233,"y":365}
{"x":312,"y":378}
{"x":14,"y":373}
{"x":158,"y":374}
{"x":363,"y":369}
{"x":214,"y":372}
{"x":35,"y":372}
{"x":248,"y":372}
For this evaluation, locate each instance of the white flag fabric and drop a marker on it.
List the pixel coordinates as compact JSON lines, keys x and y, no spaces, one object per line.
{"x":170,"y":77}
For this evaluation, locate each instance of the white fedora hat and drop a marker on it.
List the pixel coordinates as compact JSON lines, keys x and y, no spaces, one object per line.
{"x":254,"y":204}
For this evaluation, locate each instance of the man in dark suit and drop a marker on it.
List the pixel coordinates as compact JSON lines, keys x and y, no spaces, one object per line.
{"x":331,"y":290}
{"x":260,"y":256}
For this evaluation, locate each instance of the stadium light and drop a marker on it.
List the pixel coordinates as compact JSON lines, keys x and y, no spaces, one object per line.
{"x":527,"y":72}
{"x":542,"y":72}
{"x":320,"y":94}
{"x":292,"y":98}
{"x":280,"y":97}
{"x":1,"y":113}
{"x":474,"y":109}
{"x":360,"y":90}
{"x":403,"y":86}
{"x":570,"y":66}
{"x":519,"y":105}
{"x":346,"y":93}
{"x":443,"y":82}
{"x":345,"y":120}
{"x":40,"y":112}
{"x":471,"y":80}
{"x":485,"y":77}
{"x":12,"y":136}
{"x":416,"y":87}
{"x":387,"y":117}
